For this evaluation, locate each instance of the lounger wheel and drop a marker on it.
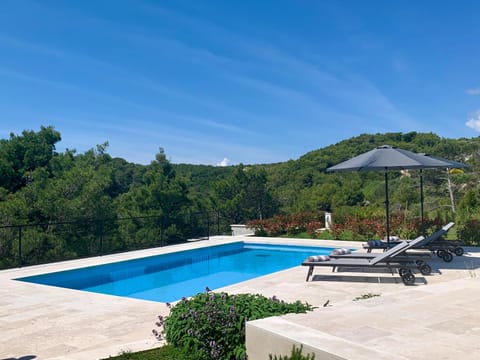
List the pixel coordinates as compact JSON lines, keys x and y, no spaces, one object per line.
{"x":419,"y":262}
{"x":403,"y":271}
{"x":447,"y":256}
{"x":425,"y":269}
{"x":458,"y":250}
{"x":408,"y":278}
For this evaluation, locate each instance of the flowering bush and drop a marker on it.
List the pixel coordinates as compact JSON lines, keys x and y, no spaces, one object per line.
{"x":212,"y":325}
{"x":286,"y":224}
{"x":313,"y":226}
{"x":358,"y":228}
{"x":346,"y":227}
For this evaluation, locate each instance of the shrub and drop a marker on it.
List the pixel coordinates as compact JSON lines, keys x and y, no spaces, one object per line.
{"x":295,"y":355}
{"x":212,"y":325}
{"x":469,"y":232}
{"x":313,"y":226}
{"x":285,"y":224}
{"x":359,"y":227}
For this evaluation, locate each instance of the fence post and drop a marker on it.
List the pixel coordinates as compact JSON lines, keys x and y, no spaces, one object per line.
{"x":101,"y":237}
{"x":19,"y":246}
{"x":208,"y":225}
{"x":161,"y":230}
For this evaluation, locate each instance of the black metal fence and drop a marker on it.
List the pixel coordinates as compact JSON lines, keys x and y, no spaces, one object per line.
{"x":31,"y":244}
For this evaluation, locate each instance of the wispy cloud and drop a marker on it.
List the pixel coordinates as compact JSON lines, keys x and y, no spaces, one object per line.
{"x":354,"y":97}
{"x":197,"y":55}
{"x":4,"y":71}
{"x":194,"y":85}
{"x":152,"y":110}
{"x":36,"y":47}
{"x":215,"y":124}
{"x":143,"y":140}
{"x":474,"y":121}
{"x":320,"y":93}
{"x":475,"y":91}
{"x":346,"y":89}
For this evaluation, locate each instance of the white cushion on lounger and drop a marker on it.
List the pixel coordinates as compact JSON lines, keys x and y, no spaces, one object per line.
{"x":341,"y":251}
{"x":317,"y":258}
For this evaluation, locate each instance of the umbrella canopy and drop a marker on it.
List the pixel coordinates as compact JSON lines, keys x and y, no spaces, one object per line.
{"x":387,"y":158}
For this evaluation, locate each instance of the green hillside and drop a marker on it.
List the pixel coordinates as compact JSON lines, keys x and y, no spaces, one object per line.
{"x":303,"y":184}
{"x":39,"y":185}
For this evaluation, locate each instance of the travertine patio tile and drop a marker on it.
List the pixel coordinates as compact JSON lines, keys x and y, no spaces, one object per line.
{"x":437,"y":317}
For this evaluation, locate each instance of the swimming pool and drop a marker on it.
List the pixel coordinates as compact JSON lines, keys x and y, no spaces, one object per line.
{"x":169,"y":277}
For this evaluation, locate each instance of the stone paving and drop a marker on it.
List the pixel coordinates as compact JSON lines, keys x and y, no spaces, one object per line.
{"x":437,"y":318}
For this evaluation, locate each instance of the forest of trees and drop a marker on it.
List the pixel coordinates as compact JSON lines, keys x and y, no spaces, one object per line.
{"x":91,"y":201}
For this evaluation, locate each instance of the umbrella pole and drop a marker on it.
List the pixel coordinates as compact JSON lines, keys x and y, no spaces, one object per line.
{"x":422,"y":228}
{"x":387,"y":209}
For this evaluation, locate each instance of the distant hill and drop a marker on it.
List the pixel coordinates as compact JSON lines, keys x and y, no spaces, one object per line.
{"x":302,"y":184}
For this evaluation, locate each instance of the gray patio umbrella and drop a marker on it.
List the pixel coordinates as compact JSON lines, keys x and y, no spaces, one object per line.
{"x":387,"y":158}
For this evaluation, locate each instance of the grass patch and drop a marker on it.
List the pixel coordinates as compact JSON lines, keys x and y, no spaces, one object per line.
{"x":165,"y":352}
{"x":302,"y":235}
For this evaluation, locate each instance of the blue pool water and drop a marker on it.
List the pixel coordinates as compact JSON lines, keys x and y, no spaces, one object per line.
{"x":170,"y":277}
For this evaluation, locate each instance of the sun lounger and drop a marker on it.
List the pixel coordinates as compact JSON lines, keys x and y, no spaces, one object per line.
{"x":419,"y":257}
{"x":387,"y":259}
{"x":451,"y":246}
{"x":445,"y":248}
{"x":434,"y":243}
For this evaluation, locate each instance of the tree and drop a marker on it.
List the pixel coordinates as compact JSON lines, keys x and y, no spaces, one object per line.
{"x":160,"y":194}
{"x":258,"y":199}
{"x":468,"y":206}
{"x":21,"y":155}
{"x":244,"y":195}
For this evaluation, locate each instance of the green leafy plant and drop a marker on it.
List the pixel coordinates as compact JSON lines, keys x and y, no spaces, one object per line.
{"x":469,"y":232}
{"x":296,"y":354}
{"x":212,"y":325}
{"x":366,"y":296}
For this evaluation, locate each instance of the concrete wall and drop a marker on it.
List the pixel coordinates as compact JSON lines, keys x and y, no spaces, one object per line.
{"x":277,"y":337}
{"x":238,"y":229}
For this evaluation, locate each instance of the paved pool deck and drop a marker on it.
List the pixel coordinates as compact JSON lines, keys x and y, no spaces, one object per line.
{"x":436,"y":318}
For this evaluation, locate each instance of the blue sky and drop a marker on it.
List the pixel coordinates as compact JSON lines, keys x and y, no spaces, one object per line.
{"x":225,"y":82}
